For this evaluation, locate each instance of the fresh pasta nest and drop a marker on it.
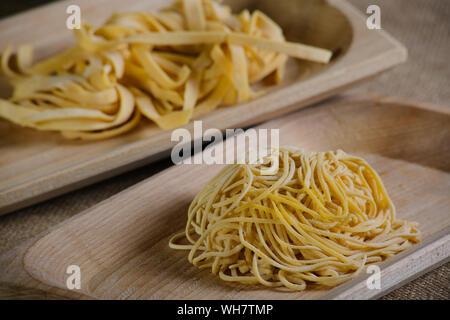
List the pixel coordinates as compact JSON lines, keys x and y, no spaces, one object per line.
{"x":169,"y":66}
{"x":319,"y":220}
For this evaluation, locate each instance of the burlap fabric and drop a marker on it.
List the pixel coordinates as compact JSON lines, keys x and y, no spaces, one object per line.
{"x":422,"y":26}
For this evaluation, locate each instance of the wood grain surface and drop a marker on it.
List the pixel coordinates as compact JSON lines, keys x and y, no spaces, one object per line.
{"x":121,"y":244}
{"x":36,"y":166}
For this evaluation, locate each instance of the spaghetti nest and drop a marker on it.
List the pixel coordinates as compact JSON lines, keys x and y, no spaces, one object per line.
{"x":320,"y":219}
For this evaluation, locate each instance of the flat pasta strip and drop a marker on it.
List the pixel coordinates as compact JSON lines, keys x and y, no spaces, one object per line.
{"x":170,"y":66}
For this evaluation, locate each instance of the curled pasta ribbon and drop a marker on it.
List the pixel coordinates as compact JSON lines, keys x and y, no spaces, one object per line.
{"x":170,"y":66}
{"x":319,"y":220}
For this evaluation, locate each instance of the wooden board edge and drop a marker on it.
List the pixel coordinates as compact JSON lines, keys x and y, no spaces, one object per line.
{"x":395,"y":271}
{"x":22,"y":195}
{"x":379,"y":98}
{"x":17,"y":284}
{"x":432,"y":252}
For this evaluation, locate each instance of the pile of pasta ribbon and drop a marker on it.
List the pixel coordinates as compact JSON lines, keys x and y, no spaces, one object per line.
{"x":170,"y":66}
{"x":319,"y":220}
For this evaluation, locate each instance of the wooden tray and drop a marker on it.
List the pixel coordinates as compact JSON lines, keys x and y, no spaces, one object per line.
{"x":35,"y":166}
{"x":121,"y":244}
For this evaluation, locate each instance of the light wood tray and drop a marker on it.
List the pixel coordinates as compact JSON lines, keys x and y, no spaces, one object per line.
{"x":35,"y":166}
{"x":121,"y":244}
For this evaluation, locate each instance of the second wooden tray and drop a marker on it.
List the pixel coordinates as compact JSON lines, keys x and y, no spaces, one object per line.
{"x":121,"y":244}
{"x":35,"y":166}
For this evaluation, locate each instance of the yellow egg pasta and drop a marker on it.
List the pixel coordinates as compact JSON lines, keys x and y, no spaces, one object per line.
{"x":170,"y":66}
{"x":319,"y":219}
